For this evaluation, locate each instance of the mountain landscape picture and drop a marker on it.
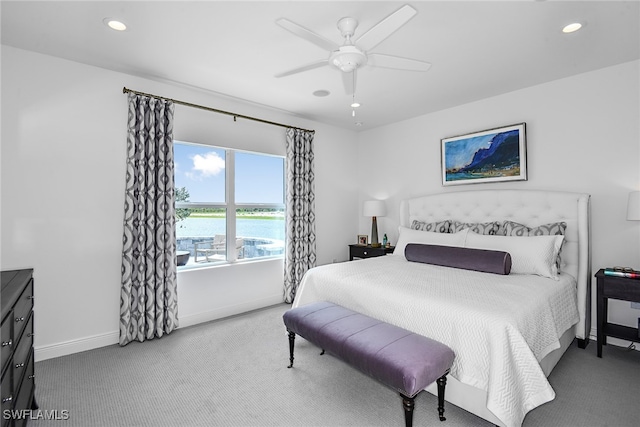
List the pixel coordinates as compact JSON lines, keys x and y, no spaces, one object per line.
{"x":496,"y":155}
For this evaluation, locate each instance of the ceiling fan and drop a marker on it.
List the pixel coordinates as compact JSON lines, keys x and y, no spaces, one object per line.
{"x":353,"y":54}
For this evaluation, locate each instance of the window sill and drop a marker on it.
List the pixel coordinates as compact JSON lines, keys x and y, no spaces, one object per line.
{"x":223,"y":264}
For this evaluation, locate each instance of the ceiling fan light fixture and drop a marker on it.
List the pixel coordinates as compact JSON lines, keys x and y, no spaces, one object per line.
{"x":348,"y":58}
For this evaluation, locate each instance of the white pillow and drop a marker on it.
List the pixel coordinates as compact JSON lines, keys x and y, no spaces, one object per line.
{"x":529,"y":254}
{"x":407,"y":235}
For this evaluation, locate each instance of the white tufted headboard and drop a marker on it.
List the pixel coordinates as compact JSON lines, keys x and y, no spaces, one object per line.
{"x":529,"y":207}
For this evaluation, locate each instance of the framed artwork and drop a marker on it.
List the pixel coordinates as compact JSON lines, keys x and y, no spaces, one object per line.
{"x":363,"y":239}
{"x":491,"y":155}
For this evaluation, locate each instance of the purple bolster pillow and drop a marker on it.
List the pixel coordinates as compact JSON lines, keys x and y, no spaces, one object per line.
{"x":484,"y":260}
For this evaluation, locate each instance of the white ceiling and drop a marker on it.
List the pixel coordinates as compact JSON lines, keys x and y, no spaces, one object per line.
{"x":477,"y":49}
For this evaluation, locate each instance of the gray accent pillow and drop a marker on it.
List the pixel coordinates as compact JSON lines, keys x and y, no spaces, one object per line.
{"x":486,"y":228}
{"x":436,"y":227}
{"x":510,"y":228}
{"x":484,"y":260}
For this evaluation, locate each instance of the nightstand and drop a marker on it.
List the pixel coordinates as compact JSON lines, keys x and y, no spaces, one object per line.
{"x":620,"y":288}
{"x":362,"y":251}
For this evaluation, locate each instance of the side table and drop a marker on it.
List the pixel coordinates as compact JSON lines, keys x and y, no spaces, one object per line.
{"x":620,"y":288}
{"x":362,"y":251}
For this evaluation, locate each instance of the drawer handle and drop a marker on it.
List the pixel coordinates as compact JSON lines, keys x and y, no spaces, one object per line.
{"x":19,"y":365}
{"x":19,"y":319}
{"x":7,"y":399}
{"x":32,"y":376}
{"x":7,"y":343}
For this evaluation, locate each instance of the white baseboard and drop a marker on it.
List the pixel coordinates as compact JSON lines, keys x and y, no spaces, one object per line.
{"x":613,"y":341}
{"x":89,"y":343}
{"x":620,"y":343}
{"x":230,"y":310}
{"x":111,"y":338}
{"x":75,"y":346}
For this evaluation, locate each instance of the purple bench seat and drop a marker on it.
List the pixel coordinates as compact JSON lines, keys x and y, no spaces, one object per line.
{"x":403,"y":360}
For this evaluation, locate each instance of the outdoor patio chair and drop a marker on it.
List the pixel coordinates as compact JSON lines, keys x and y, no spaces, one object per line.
{"x":216,"y":248}
{"x":210,"y":248}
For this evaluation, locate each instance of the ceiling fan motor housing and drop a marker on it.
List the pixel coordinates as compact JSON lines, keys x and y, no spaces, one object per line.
{"x":348,"y":58}
{"x":347,"y":26}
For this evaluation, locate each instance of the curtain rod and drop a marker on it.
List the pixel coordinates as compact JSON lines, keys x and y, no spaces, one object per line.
{"x":215,"y":110}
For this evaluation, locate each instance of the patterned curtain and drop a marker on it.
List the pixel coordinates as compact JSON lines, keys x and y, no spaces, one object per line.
{"x":148,"y":299}
{"x":300,"y":248}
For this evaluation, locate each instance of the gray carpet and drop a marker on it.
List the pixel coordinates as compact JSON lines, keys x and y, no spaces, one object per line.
{"x":232,"y":372}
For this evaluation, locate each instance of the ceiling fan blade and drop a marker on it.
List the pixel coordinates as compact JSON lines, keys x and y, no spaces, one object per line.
{"x":349,"y":81}
{"x":385,"y":28}
{"x":396,"y":62}
{"x":311,"y":66}
{"x":308,"y":35}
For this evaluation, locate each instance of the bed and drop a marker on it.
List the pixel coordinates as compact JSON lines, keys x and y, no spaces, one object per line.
{"x":508,"y":331}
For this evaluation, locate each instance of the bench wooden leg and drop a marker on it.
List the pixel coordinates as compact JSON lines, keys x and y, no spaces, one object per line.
{"x":408,"y":403}
{"x":442,"y":382}
{"x":292,"y":340}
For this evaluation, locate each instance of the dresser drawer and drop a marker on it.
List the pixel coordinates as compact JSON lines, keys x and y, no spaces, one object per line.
{"x":23,"y":309}
{"x":25,"y":394}
{"x":7,"y":341}
{"x":6,"y":394}
{"x":22,"y":354}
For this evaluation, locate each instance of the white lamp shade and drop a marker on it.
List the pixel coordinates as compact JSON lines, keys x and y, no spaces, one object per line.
{"x":374,"y":208}
{"x":633,"y":207}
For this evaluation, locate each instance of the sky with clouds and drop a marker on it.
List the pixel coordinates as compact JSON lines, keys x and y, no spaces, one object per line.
{"x":201,"y":169}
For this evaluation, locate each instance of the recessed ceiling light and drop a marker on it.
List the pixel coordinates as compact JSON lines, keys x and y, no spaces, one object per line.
{"x":114,"y":24}
{"x":572,"y":27}
{"x":321,"y":93}
{"x":355,"y":105}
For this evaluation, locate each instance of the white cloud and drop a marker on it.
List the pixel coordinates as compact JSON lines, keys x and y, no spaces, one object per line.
{"x":209,"y":164}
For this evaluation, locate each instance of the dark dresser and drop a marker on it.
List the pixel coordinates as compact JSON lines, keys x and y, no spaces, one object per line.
{"x":18,"y":383}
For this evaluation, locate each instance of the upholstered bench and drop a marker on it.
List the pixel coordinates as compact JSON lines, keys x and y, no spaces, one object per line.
{"x":403,"y":360}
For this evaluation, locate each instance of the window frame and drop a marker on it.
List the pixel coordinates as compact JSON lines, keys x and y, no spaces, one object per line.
{"x":231,"y":206}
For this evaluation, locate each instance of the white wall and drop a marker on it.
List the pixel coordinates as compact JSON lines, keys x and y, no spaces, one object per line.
{"x":62,"y":180}
{"x":63,"y":161}
{"x":582,"y":136}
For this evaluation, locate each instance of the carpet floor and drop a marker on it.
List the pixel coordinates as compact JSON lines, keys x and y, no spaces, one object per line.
{"x":233,"y":372}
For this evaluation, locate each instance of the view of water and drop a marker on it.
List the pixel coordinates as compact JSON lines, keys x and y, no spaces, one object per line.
{"x":462,"y":175}
{"x":208,"y":227}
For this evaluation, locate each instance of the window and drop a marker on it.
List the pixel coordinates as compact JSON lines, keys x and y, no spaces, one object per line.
{"x":229,"y":204}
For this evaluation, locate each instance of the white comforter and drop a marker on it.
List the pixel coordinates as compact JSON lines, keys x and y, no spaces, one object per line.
{"x":498,"y":326}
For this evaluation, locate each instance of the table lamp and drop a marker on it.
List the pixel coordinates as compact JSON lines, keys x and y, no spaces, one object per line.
{"x":374,"y":209}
